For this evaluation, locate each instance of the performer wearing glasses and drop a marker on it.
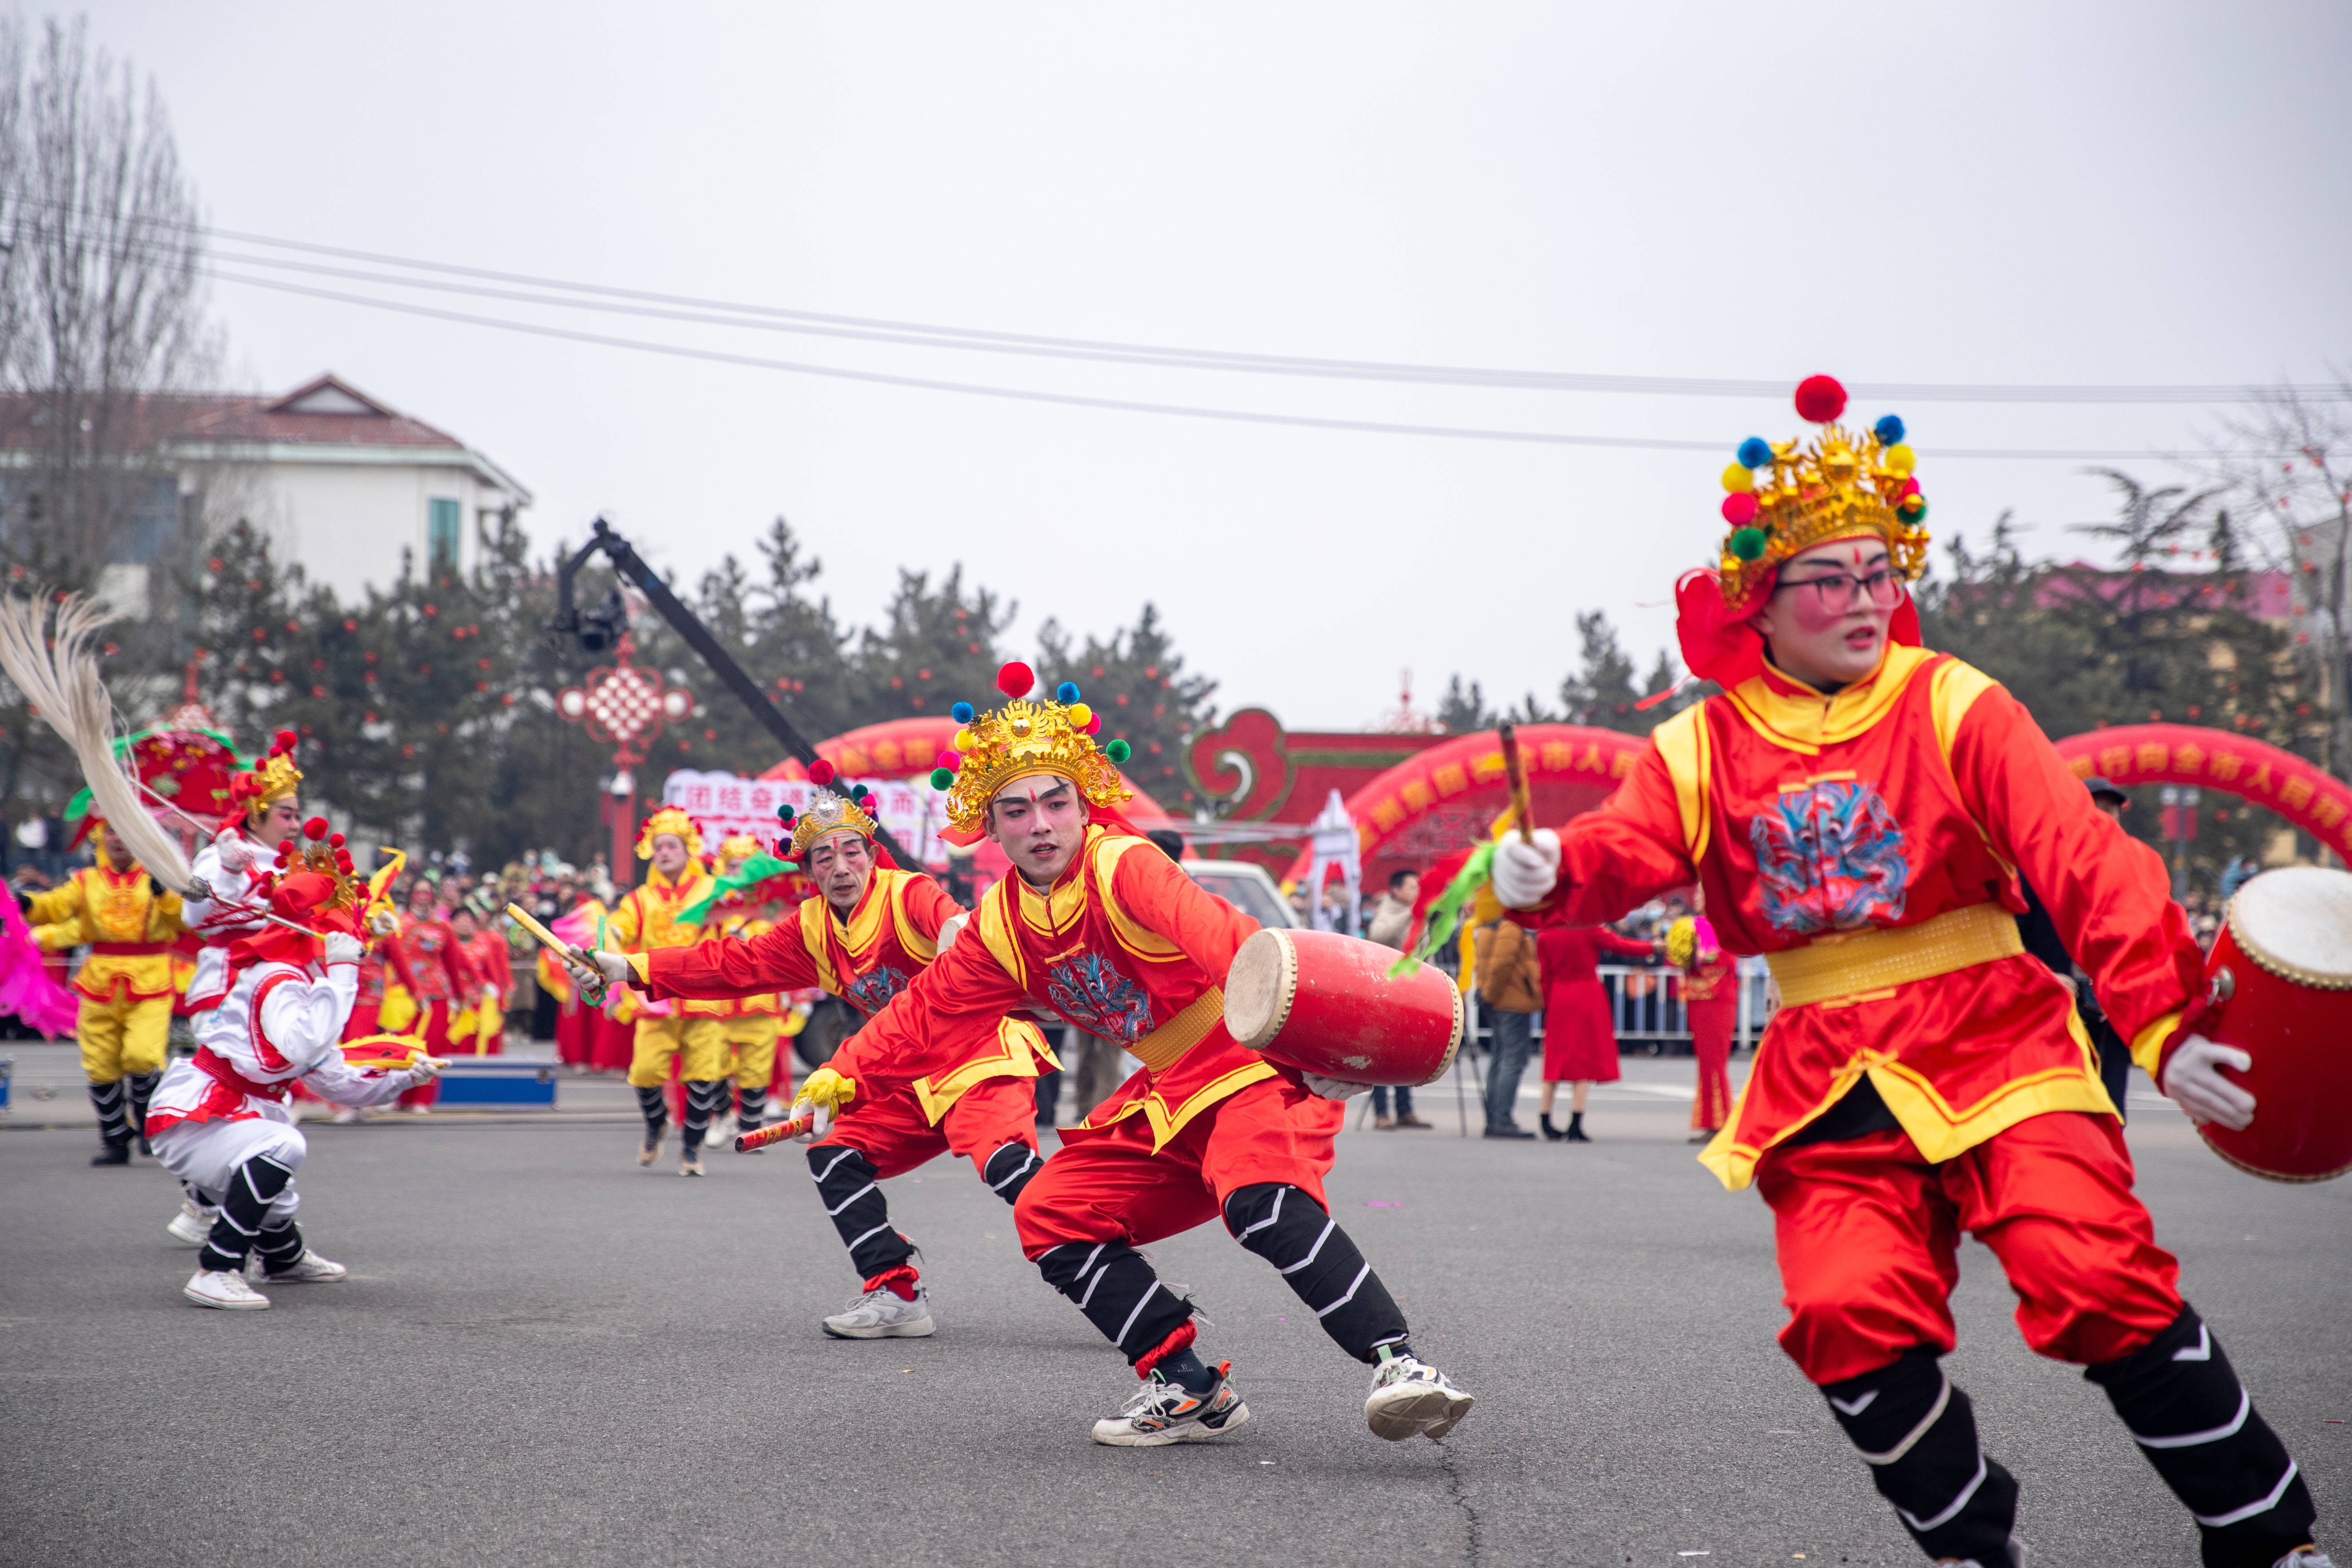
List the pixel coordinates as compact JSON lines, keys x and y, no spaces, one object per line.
{"x":1859,"y":810}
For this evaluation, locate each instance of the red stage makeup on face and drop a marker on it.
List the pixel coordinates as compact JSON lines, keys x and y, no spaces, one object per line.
{"x":841,"y":862}
{"x":1039,"y":822}
{"x":1825,"y":617}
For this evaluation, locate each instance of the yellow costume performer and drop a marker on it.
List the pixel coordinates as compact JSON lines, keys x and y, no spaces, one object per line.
{"x":753,"y":1024}
{"x":126,"y":985}
{"x":646,"y":919}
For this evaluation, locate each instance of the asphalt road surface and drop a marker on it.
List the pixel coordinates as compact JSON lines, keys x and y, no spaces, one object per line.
{"x":545,"y":1354}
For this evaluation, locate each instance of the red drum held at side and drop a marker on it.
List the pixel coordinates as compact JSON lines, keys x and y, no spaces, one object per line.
{"x":2281,"y":978}
{"x":1323,"y":1003}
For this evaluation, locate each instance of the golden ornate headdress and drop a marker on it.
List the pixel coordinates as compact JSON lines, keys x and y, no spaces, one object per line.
{"x":827,"y":813}
{"x":323,"y":853}
{"x":734,"y":849}
{"x":1788,"y":498}
{"x":1022,"y":739}
{"x":271,"y":779}
{"x":668,"y":819}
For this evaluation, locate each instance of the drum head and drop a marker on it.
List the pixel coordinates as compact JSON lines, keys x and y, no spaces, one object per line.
{"x":1259,"y":988}
{"x":2297,"y":923}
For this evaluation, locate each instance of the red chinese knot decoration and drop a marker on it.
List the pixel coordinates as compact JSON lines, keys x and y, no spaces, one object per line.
{"x":624,"y":704}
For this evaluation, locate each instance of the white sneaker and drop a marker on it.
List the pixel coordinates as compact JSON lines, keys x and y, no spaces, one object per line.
{"x":224,"y":1289}
{"x":1162,"y":1413}
{"x":191,"y":1225}
{"x":882,"y":1314}
{"x":649,"y":1150}
{"x":420,"y":1111}
{"x":348,"y":1115}
{"x":1409,"y":1396}
{"x":2304,"y":1557}
{"x":308,"y":1269}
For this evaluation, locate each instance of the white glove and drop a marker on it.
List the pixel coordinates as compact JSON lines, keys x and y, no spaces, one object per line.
{"x":421,"y":1069}
{"x":384,"y":922}
{"x":820,"y":1119}
{"x":949,"y":929}
{"x":1524,"y":872}
{"x":236,"y":854}
{"x":1331,"y":1087}
{"x":2193,"y":1078}
{"x":342,"y":949}
{"x":613,"y":967}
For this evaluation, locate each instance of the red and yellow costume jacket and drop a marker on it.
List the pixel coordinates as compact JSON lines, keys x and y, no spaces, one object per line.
{"x":890,"y":937}
{"x":645,"y":920}
{"x":1126,"y":946}
{"x":435,"y":968}
{"x":1711,"y":980}
{"x":128,"y":926}
{"x":1869,"y":845}
{"x":745,"y":928}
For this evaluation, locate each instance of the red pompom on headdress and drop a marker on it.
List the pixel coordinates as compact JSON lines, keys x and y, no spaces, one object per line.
{"x":821,"y":773}
{"x":1820,"y":399}
{"x":1016,"y":679}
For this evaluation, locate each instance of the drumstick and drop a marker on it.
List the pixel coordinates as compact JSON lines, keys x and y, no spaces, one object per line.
{"x":1515,"y":772}
{"x":776,"y":1135}
{"x":591,"y":980}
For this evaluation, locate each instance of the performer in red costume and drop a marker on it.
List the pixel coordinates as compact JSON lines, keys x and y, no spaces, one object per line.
{"x":483,"y":945}
{"x":1100,"y":927}
{"x":1858,"y":811}
{"x":1711,"y":1002}
{"x":443,"y":981}
{"x":871,"y":928}
{"x":1580,"y":1036}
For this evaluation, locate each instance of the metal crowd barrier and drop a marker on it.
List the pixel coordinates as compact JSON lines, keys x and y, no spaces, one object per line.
{"x":1646,"y":1008}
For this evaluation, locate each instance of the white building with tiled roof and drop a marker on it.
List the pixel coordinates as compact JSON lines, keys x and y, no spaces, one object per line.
{"x":341,"y":484}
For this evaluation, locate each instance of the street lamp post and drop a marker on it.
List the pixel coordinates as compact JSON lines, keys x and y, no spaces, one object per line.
{"x":626,"y":705}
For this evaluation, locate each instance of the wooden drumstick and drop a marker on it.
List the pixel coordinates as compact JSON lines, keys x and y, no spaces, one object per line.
{"x":776,"y":1135}
{"x":1515,"y":771}
{"x":592,"y":981}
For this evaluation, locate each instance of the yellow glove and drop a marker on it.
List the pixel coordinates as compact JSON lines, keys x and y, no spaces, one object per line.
{"x":827,"y":1087}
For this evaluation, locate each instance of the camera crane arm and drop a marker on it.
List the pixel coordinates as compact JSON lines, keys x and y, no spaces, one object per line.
{"x":631,"y":565}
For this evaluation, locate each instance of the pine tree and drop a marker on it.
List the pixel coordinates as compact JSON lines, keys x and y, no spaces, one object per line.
{"x":1463,"y":709}
{"x":938,"y":648}
{"x":1136,"y":680}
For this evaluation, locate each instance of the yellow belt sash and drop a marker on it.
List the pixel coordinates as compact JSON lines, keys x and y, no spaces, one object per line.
{"x":1835,"y":968}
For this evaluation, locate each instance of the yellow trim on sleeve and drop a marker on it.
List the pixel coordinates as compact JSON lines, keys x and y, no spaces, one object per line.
{"x":1138,"y":940}
{"x":2148,"y":1043}
{"x":1951,"y":693}
{"x":637,"y":963}
{"x":920,"y":947}
{"x":993,"y":920}
{"x":1681,"y":743}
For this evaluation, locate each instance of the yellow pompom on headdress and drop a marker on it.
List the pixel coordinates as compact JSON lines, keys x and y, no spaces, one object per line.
{"x":1788,"y":498}
{"x":1025,"y":738}
{"x":668,"y":819}
{"x":827,"y":813}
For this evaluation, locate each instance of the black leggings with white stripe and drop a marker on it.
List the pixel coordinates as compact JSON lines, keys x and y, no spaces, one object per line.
{"x":1115,"y":1287}
{"x":851,"y":1190}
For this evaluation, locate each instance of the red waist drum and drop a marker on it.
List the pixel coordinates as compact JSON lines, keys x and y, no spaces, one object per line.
{"x":1323,"y":1003}
{"x":2281,"y":973}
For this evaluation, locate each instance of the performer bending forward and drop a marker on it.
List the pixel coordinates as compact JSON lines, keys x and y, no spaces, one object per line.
{"x":1100,"y":927}
{"x":1859,"y":810}
{"x":220,"y":1121}
{"x":872,"y":929}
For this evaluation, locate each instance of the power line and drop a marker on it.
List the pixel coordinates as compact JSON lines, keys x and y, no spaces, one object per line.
{"x":970,"y":340}
{"x":1128,"y":405}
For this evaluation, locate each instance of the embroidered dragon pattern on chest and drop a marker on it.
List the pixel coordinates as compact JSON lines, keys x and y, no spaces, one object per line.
{"x":872,"y":991}
{"x":1829,"y":857}
{"x":1084,"y":989}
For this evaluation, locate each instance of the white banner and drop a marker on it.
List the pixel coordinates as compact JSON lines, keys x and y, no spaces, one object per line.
{"x":724,"y":804}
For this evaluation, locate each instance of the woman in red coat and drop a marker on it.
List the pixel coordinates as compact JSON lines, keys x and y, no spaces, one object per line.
{"x":1579,"y":1038}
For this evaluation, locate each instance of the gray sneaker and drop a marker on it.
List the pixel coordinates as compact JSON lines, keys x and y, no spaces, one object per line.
{"x":1410,"y":1397}
{"x":884,"y":1314}
{"x":1162,"y":1413}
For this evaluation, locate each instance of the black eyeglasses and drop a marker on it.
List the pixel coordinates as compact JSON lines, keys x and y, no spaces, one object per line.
{"x":1837,"y":590}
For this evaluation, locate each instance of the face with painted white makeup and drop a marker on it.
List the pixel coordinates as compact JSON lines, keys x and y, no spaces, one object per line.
{"x":669,"y":854}
{"x":1825,"y":622}
{"x":840,"y":863}
{"x":1039,"y":823}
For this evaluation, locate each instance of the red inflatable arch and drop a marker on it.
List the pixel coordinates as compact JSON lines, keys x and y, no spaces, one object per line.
{"x":2252,"y":770}
{"x":1437,"y":801}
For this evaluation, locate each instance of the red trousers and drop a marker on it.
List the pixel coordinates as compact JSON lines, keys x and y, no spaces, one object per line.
{"x":433,"y":1025}
{"x":890,"y":1131}
{"x":1712,"y":1023}
{"x":1866,"y":1232}
{"x":1109,"y":1185}
{"x":613,"y":1045}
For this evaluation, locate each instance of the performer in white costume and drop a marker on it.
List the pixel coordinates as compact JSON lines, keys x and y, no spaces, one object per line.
{"x":220,"y":1121}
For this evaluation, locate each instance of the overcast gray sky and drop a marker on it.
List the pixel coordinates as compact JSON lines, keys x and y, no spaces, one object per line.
{"x":2009,"y":193}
